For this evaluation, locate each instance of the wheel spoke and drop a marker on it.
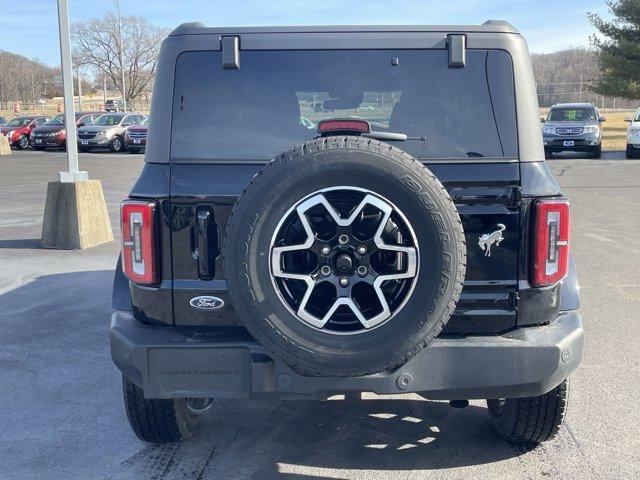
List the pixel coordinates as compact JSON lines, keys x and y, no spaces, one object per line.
{"x":276,"y":256}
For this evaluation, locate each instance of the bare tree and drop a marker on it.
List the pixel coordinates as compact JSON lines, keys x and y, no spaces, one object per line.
{"x":97,"y":45}
{"x":25,"y":80}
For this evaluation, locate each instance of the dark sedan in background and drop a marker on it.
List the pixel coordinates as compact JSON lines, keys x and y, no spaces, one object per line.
{"x":54,"y":134}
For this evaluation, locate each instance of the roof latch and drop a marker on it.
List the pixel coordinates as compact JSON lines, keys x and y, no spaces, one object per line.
{"x":230,"y":46}
{"x":456,"y":43}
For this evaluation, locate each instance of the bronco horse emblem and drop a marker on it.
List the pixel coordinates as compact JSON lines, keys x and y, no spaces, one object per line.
{"x":488,"y":239}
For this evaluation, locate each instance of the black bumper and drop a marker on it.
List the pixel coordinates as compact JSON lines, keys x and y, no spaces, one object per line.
{"x":47,"y":143}
{"x":584,"y":143}
{"x":167,"y":363}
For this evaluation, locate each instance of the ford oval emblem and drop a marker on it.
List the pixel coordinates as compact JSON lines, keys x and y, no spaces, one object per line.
{"x":206,"y":302}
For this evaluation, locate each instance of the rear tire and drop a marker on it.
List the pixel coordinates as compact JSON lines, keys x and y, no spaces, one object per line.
{"x":548,"y":154}
{"x":157,"y":420}
{"x":530,"y":420}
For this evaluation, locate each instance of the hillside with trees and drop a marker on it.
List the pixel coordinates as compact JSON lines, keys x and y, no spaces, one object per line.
{"x":572,"y":76}
{"x":26,"y":80}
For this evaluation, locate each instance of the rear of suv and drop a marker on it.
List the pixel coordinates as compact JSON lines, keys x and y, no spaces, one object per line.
{"x":573,"y":127}
{"x":387,"y":242}
{"x":114,"y":105}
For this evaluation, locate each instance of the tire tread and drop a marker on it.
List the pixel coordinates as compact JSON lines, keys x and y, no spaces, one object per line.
{"x":154,"y":420}
{"x":531,"y":420}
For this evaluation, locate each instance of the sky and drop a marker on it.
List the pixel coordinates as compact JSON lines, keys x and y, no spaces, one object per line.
{"x":30,"y":28}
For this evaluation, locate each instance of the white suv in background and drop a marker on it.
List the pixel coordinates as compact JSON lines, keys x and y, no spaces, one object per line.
{"x":633,"y":136}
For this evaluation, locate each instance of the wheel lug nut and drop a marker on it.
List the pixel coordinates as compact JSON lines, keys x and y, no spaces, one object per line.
{"x":325,"y":270}
{"x":362,"y":271}
{"x":325,"y":250}
{"x":343,"y":281}
{"x":362,"y":249}
{"x":343,"y":239}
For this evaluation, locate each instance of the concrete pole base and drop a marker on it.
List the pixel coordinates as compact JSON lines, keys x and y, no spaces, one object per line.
{"x":75,"y":216}
{"x":5,"y":147}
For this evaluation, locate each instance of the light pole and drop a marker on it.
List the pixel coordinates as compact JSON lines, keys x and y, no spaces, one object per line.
{"x":74,"y":174}
{"x":120,"y":49}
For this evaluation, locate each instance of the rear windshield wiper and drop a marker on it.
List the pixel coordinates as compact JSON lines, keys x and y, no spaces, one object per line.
{"x":392,"y":136}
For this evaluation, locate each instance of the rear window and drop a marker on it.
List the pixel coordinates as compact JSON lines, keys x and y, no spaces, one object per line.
{"x":276,"y":98}
{"x":561,"y":114}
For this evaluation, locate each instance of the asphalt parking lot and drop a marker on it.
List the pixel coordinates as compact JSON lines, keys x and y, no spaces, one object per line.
{"x":61,"y":414}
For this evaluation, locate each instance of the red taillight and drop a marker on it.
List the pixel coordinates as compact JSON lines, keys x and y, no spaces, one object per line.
{"x":551,"y":242}
{"x":359,"y":126}
{"x":138,"y":241}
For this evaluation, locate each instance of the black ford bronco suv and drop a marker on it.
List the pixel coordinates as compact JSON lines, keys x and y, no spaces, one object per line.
{"x":345,"y":209}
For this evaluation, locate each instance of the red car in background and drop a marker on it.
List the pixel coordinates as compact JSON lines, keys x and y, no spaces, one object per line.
{"x":135,"y":137}
{"x":18,"y":129}
{"x":54,"y":134}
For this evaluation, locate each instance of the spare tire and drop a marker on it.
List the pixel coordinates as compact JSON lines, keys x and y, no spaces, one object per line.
{"x":344,"y":256}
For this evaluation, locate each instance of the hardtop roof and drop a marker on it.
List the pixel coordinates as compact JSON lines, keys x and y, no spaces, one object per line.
{"x":490,"y":26}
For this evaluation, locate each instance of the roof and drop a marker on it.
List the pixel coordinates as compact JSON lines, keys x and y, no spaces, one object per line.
{"x":490,"y":26}
{"x":573,"y":105}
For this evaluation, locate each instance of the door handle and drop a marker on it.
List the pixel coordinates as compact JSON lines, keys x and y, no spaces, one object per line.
{"x":207,"y":243}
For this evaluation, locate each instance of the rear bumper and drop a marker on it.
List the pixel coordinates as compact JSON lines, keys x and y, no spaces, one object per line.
{"x":167,"y":363}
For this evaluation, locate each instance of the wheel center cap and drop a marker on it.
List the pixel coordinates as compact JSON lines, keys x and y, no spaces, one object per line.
{"x":344,"y":263}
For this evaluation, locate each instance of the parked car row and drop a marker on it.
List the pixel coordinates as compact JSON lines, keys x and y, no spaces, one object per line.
{"x":117,"y":131}
{"x":110,"y":131}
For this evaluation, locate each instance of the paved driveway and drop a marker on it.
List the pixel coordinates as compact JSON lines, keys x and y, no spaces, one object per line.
{"x":61,"y":413}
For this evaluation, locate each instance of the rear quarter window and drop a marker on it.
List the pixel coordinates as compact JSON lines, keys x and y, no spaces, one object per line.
{"x":276,"y":98}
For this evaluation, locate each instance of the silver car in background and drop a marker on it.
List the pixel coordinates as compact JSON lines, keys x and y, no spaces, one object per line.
{"x":633,"y":136}
{"x":573,"y":127}
{"x":107,"y":131}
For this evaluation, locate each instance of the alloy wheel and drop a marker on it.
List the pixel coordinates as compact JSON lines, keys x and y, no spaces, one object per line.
{"x":344,"y":260}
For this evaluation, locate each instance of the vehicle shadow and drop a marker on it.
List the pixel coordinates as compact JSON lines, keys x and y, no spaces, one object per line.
{"x":65,"y":390}
{"x":611,"y":155}
{"x":21,"y":244}
{"x":332,"y":439}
